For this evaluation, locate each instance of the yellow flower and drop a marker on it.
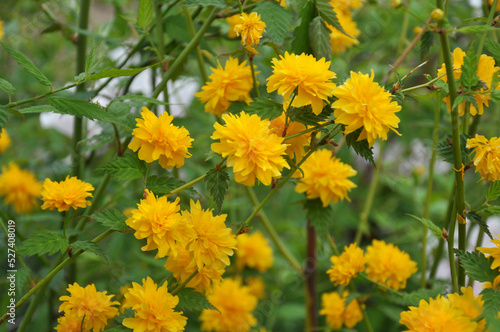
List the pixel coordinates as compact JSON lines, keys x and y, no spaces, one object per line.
{"x":1,"y":29}
{"x":339,"y":41}
{"x":470,"y":305}
{"x":256,"y":286}
{"x":490,"y":2}
{"x":333,"y":306}
{"x":250,"y":27}
{"x":347,"y":266}
{"x":234,"y":305}
{"x":20,"y":188}
{"x":213,"y":242}
{"x":159,"y":221}
{"x":495,"y":284}
{"x":202,"y":280}
{"x":388,"y":265}
{"x":485,"y":70}
{"x":437,"y":315}
{"x":153,"y":308}
{"x":4,"y":139}
{"x":72,"y":192}
{"x":232,"y":20}
{"x":493,"y":252}
{"x":96,"y":307}
{"x":251,"y":147}
{"x":295,"y":146}
{"x":253,"y":250}
{"x":325,"y":177}
{"x":233,"y":83}
{"x":157,"y":138}
{"x":310,"y":76}
{"x":70,"y":322}
{"x":487,"y":156}
{"x":352,"y":314}
{"x":364,"y":103}
{"x":345,"y":5}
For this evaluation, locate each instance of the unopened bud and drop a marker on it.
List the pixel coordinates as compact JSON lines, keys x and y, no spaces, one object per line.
{"x":395,"y":3}
{"x":445,"y":234}
{"x":417,"y":30}
{"x":437,"y":14}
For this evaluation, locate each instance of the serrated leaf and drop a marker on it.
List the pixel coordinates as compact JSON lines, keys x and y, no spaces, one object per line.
{"x":127,"y":313}
{"x":320,"y":217}
{"x":495,"y":96}
{"x":112,"y":219}
{"x":426,"y":42}
{"x":362,"y":148}
{"x":319,"y":35}
{"x":22,"y":278}
{"x":7,"y":87}
{"x":38,"y":109}
{"x":26,"y":63}
{"x":469,"y":69}
{"x":445,"y":150}
{"x":89,"y":246}
{"x":493,"y":191}
{"x":476,"y":265}
{"x":476,"y":29}
{"x":491,"y":298}
{"x":205,"y":3}
{"x":490,"y":210}
{"x":325,"y":10}
{"x":115,"y":73}
{"x":139,"y":98}
{"x":44,"y":242}
{"x":430,"y":225}
{"x":191,"y":300}
{"x":128,"y":167}
{"x":300,"y":42}
{"x":306,"y":116}
{"x":162,"y":185}
{"x":89,"y":63}
{"x":476,"y":218}
{"x":145,"y":13}
{"x":277,"y":20}
{"x":217,"y":184}
{"x":413,"y":298}
{"x":265,"y":108}
{"x":494,"y":49}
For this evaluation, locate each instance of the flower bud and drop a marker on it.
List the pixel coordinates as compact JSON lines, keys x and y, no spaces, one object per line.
{"x":417,"y":30}
{"x":395,"y":3}
{"x":437,"y":14}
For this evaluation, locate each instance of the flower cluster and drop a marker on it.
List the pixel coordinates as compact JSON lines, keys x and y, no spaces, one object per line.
{"x":338,"y":312}
{"x":325,"y":177}
{"x":452,"y":313}
{"x":5,"y":140}
{"x":363,"y":103}
{"x":485,"y":71}
{"x":487,"y":156}
{"x":20,"y":188}
{"x":86,"y":309}
{"x":63,"y":195}
{"x":157,"y":138}
{"x":153,"y":308}
{"x":339,"y":41}
{"x":251,"y":148}
{"x":231,"y":83}
{"x":347,"y":266}
{"x":296,"y":145}
{"x":253,"y":250}
{"x":250,"y":28}
{"x":303,"y":72}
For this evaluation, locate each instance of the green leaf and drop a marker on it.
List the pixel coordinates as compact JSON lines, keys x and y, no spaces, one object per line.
{"x":43,"y":242}
{"x":445,"y":150}
{"x":217,"y":183}
{"x":128,"y":167}
{"x":476,"y":218}
{"x":277,"y":19}
{"x":163,"y":185}
{"x":127,"y":313}
{"x":26,"y":63}
{"x":118,"y":328}
{"x":89,"y":63}
{"x":476,"y":265}
{"x":413,"y":298}
{"x":139,"y":98}
{"x":493,"y":191}
{"x":7,"y":87}
{"x":300,"y":42}
{"x":431,"y":225}
{"x":325,"y":10}
{"x":319,"y":35}
{"x":115,"y":73}
{"x":494,"y":49}
{"x":191,"y":300}
{"x":112,"y":219}
{"x":306,"y":116}
{"x":205,"y":3}
{"x":490,"y":210}
{"x":4,"y":112}
{"x":89,"y":246}
{"x":469,"y":69}
{"x":320,"y":217}
{"x":491,"y":298}
{"x":145,"y":13}
{"x":39,"y":109}
{"x":426,"y":43}
{"x":476,"y":29}
{"x":362,"y":148}
{"x":265,"y":108}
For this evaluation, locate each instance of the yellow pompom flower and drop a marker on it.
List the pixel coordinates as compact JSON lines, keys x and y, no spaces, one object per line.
{"x":5,"y":140}
{"x":254,"y":251}
{"x":157,"y":138}
{"x":70,"y":323}
{"x":436,"y":315}
{"x":251,"y":148}
{"x":88,"y":305}
{"x":295,"y":146}
{"x":333,"y":306}
{"x":250,"y":28}
{"x":153,"y":308}
{"x":339,"y":41}
{"x":325,"y":177}
{"x":159,"y":221}
{"x":20,"y":188}
{"x":485,"y":70}
{"x":212,"y":242}
{"x":487,"y":156}
{"x":471,"y":306}
{"x":388,"y":265}
{"x":257,"y":286}
{"x":231,"y":83}
{"x":72,"y":192}
{"x":364,"y":103}
{"x":311,"y":77}
{"x":347,"y":266}
{"x":234,"y":305}
{"x":202,"y":281}
{"x":1,"y":29}
{"x":493,"y":252}
{"x":232,"y":20}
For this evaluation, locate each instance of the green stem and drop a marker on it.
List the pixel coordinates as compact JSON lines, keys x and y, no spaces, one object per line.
{"x":187,"y":185}
{"x":273,"y":234}
{"x":184,"y":283}
{"x":95,"y":200}
{"x":254,"y":77}
{"x":192,"y":33}
{"x":491,"y":15}
{"x":423,"y":85}
{"x":378,"y":284}
{"x":451,"y":254}
{"x":309,"y":130}
{"x":45,"y":95}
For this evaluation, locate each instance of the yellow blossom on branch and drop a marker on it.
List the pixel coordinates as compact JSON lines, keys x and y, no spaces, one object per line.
{"x":333,"y":306}
{"x":345,"y":5}
{"x":339,"y":41}
{"x":347,"y":266}
{"x":253,"y":250}
{"x":20,"y":188}
{"x":72,"y":192}
{"x":5,"y":140}
{"x":493,"y":252}
{"x":250,"y":28}
{"x":486,"y":157}
{"x":471,"y":306}
{"x":296,"y":145}
{"x":70,"y":322}
{"x":303,"y":72}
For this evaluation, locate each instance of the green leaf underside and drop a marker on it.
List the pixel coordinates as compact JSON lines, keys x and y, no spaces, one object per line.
{"x":426,"y":43}
{"x":277,"y":19}
{"x":306,"y":116}
{"x":44,"y":242}
{"x":493,"y":191}
{"x":145,"y":13}
{"x":265,"y":108}
{"x":491,"y":298}
{"x":431,"y":225}
{"x":217,"y":184}
{"x":112,"y":219}
{"x":445,"y":151}
{"x":362,"y":148}
{"x":469,"y":69}
{"x":89,"y":246}
{"x":325,"y":10}
{"x":163,"y":185}
{"x":128,"y":167}
{"x":320,"y":217}
{"x":115,"y":73}
{"x":300,"y":42}
{"x":476,"y":218}
{"x":7,"y":87}
{"x":476,"y":265}
{"x":319,"y":35}
{"x":191,"y":300}
{"x":26,"y":63}
{"x":205,"y":3}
